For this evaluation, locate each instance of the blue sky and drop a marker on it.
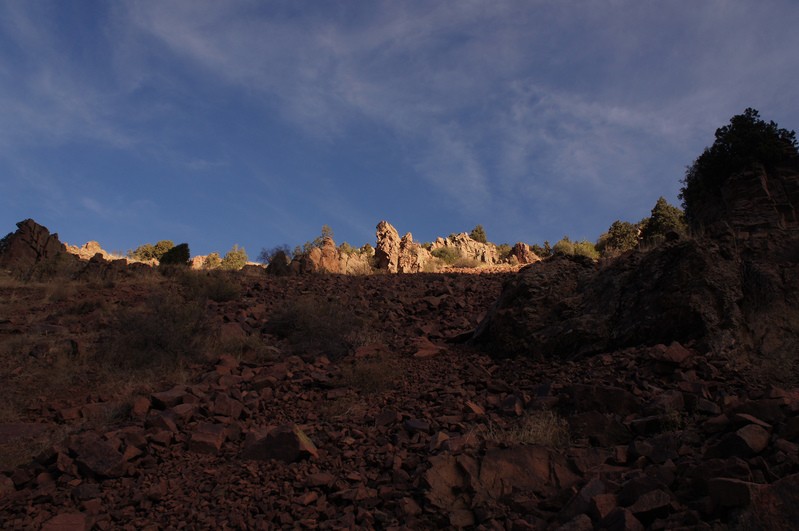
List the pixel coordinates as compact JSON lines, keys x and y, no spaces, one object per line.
{"x":256,"y":122}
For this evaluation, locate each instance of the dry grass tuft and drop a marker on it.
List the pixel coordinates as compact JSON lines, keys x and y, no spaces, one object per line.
{"x":541,"y":428}
{"x":372,"y":375}
{"x":317,"y":326}
{"x":165,"y":332}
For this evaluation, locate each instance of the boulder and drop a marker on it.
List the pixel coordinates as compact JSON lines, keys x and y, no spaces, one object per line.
{"x":29,"y":246}
{"x":322,"y":259}
{"x":524,"y":254}
{"x":285,"y":443}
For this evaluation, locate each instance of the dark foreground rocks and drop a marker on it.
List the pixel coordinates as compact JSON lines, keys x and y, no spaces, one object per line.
{"x":657,"y":438}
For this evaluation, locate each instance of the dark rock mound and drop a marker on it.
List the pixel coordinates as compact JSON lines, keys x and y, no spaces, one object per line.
{"x":736,"y":287}
{"x":568,"y":306}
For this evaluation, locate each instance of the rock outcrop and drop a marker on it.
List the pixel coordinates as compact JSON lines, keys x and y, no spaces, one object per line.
{"x":30,"y":245}
{"x":399,"y":255}
{"x":485,"y":253}
{"x":735,"y":288}
{"x":524,"y":254}
{"x":387,"y":249}
{"x":88,"y":250}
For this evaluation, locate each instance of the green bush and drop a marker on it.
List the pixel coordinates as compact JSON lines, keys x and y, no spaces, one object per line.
{"x":622,"y":236}
{"x":665,"y":218}
{"x":235,"y":259}
{"x":503,"y":251}
{"x":478,"y":234}
{"x":212,"y":261}
{"x":151,"y":252}
{"x":177,"y":255}
{"x":745,"y":142}
{"x":581,"y":248}
{"x":542,"y":251}
{"x":448,"y":255}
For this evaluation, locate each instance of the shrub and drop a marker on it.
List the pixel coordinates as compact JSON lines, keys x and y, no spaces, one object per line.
{"x":746,"y":141}
{"x":151,"y":252}
{"x":317,"y":326}
{"x":622,"y":236}
{"x":478,"y":234}
{"x":372,"y":375}
{"x":164,"y":333}
{"x":665,"y":218}
{"x":267,"y":255}
{"x":212,"y":261}
{"x":503,"y":251}
{"x":235,"y":259}
{"x":448,"y":255}
{"x":581,"y":248}
{"x":216,"y":285}
{"x":177,"y":255}
{"x":542,"y":251}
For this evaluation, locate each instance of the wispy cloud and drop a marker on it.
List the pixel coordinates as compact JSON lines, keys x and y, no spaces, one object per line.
{"x":505,"y":107}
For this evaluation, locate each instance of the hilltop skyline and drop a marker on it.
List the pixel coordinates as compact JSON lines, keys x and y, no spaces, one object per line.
{"x":256,"y":123}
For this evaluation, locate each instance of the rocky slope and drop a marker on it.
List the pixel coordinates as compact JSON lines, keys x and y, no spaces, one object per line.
{"x":411,"y":429}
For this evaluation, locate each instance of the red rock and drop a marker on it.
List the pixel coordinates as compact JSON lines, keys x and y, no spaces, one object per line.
{"x":417,"y":426}
{"x":306,"y":498}
{"x":207,"y":439}
{"x":728,"y":492}
{"x":437,"y":441}
{"x":602,"y":505}
{"x":409,"y":507}
{"x":160,"y":437}
{"x":653,"y":504}
{"x":621,"y":520}
{"x":448,"y":482}
{"x":578,"y":523}
{"x":141,"y":405}
{"x":460,"y":518}
{"x":70,"y":413}
{"x":674,"y":353}
{"x":67,"y":522}
{"x":100,"y":459}
{"x":167,"y":399}
{"x":745,"y":418}
{"x":227,"y":407}
{"x":524,"y":467}
{"x":286,"y":443}
{"x":93,"y":506}
{"x":581,"y":501}
{"x":6,"y":486}
{"x":387,"y":417}
{"x":775,"y":506}
{"x":424,"y":348}
{"x":320,"y":479}
{"x":476,"y":409}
